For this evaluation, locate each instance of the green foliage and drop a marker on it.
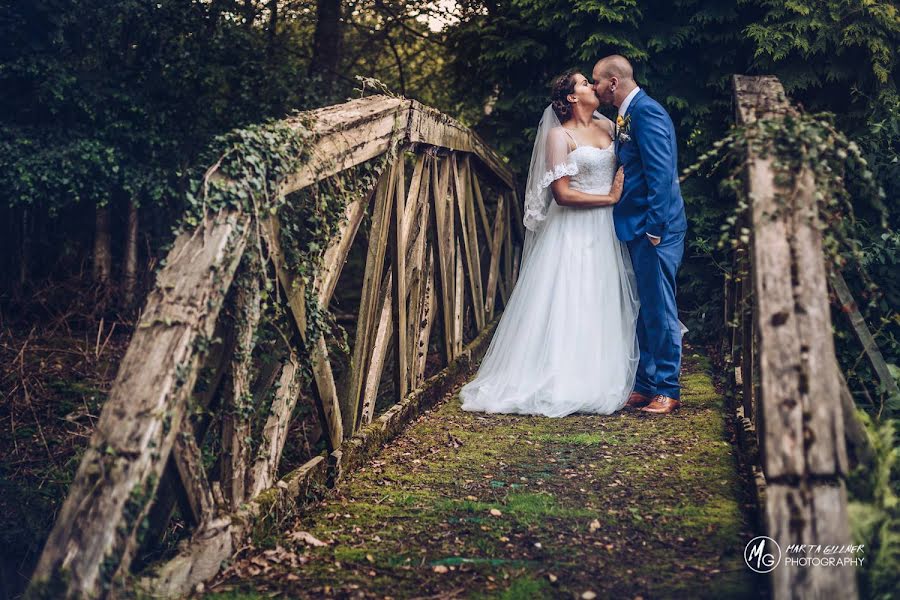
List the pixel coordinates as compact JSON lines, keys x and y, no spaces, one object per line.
{"x":875,"y":517}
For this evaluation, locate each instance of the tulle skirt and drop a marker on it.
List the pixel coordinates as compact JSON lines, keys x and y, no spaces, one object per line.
{"x":567,"y":339}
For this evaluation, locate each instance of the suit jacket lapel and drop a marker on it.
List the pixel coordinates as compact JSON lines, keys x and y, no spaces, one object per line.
{"x":641,"y":93}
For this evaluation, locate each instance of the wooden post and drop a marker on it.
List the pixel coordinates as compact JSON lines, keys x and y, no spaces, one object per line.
{"x":805,"y":454}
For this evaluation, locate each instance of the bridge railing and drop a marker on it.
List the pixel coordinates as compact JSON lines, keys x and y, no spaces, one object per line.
{"x":795,"y":408}
{"x":443,"y":249}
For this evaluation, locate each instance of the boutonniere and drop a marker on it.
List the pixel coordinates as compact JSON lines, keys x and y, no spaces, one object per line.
{"x":623,"y":128}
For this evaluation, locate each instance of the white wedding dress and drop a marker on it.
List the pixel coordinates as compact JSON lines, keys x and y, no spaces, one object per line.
{"x":566,"y":342}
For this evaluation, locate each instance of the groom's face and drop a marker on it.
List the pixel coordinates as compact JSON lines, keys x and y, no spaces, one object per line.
{"x":603,"y":86}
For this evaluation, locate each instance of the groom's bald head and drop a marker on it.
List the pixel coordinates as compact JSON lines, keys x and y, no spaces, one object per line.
{"x":616,"y":66}
{"x":613,"y":79}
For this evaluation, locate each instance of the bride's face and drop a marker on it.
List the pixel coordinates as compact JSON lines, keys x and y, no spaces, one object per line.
{"x":583,"y":92}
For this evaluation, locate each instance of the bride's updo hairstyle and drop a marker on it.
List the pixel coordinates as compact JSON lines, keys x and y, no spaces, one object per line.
{"x":562,"y":86}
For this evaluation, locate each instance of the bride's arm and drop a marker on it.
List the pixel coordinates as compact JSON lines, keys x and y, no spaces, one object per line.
{"x":566,"y":196}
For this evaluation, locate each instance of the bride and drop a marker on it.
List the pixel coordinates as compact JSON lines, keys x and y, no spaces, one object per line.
{"x":566,"y":342}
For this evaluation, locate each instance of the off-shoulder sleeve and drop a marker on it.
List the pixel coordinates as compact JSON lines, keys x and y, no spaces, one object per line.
{"x":558,"y":162}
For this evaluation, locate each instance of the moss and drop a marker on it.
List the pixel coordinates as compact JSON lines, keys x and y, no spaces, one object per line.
{"x":653,"y":503}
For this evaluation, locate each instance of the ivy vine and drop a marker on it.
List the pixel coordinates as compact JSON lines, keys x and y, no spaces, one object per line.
{"x":797,"y":142}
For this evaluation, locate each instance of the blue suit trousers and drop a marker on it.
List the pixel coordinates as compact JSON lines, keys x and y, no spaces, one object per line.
{"x":658,"y":329}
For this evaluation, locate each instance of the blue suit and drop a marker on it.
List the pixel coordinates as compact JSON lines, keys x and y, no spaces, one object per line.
{"x":651,"y":203}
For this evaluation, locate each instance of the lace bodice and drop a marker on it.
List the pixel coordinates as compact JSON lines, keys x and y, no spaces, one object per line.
{"x":596,"y":168}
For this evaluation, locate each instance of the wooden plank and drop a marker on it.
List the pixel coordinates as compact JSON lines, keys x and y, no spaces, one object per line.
{"x":193,"y":477}
{"x":426,"y":125}
{"x":482,"y":210}
{"x":379,"y":350}
{"x":365,"y":324}
{"x":858,"y":324}
{"x":801,"y":424}
{"x":397,"y":244}
{"x":442,"y":234}
{"x":326,"y":390}
{"x":143,"y":414}
{"x":336,"y":254}
{"x":494,"y":269}
{"x":347,"y":135}
{"x":235,"y":456}
{"x":809,"y":515}
{"x":466,"y":226}
{"x":426,"y":319}
{"x":458,"y":303}
{"x":274,"y":433}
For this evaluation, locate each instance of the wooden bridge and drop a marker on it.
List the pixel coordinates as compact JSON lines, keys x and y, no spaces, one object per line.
{"x":458,"y":503}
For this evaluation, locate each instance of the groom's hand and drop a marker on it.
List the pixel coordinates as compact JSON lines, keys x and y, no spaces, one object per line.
{"x":654,"y":240}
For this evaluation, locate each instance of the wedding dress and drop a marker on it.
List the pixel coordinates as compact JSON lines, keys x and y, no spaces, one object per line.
{"x":566,"y":341}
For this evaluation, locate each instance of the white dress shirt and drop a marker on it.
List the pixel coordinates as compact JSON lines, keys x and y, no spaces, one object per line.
{"x":623,"y":108}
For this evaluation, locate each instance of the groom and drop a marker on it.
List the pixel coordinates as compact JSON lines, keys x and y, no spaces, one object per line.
{"x":650,"y":219}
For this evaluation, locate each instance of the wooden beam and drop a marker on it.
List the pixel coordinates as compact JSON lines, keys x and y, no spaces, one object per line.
{"x":379,"y":350}
{"x":235,"y":456}
{"x":143,"y":414}
{"x":442,"y":227}
{"x":193,"y":477}
{"x":397,"y":244}
{"x":274,"y":433}
{"x":365,"y":324}
{"x":494,"y":269}
{"x":858,"y":324}
{"x":326,"y":390}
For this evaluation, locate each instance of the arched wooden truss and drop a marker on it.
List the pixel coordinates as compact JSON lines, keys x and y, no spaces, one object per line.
{"x":440,"y":241}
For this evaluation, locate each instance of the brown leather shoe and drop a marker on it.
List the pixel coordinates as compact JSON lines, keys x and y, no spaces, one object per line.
{"x":637,"y":400}
{"x":662,"y":405}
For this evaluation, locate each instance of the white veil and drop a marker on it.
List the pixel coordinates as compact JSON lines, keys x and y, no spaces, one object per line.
{"x":549,"y":161}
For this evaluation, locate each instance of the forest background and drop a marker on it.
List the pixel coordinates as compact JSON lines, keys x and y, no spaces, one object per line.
{"x":108,"y":109}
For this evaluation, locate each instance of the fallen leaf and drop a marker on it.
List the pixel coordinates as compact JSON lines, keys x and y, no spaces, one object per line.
{"x":306,"y":537}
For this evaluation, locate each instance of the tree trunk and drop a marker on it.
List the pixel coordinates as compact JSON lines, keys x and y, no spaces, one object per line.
{"x":102,"y":246}
{"x":328,"y":39}
{"x":131,"y":253}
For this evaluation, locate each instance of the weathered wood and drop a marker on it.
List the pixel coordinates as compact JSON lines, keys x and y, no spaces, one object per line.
{"x":426,"y":125}
{"x":274,"y":433}
{"x":397,"y":244}
{"x":482,"y":210}
{"x":494,"y":269}
{"x":217,"y":540}
{"x":427,"y":315}
{"x":235,"y":457}
{"x":811,"y":513}
{"x":442,"y":228}
{"x":858,"y":324}
{"x":470,"y":240}
{"x":193,"y":477}
{"x":336,"y":254}
{"x":131,"y":443}
{"x":801,"y":424}
{"x":458,"y":303}
{"x":379,"y":350}
{"x":326,"y":389}
{"x":365,"y":324}
{"x":351,"y":133}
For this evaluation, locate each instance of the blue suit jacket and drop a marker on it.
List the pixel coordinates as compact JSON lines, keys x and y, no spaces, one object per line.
{"x":651,"y":199}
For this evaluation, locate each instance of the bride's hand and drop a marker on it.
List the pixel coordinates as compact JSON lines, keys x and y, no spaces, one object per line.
{"x":618,"y":183}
